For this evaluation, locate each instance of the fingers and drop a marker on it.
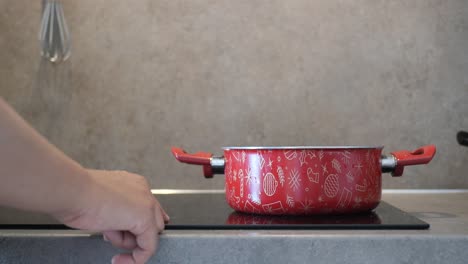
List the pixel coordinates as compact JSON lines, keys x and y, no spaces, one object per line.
{"x":165,"y":216}
{"x":121,"y":239}
{"x":123,"y":259}
{"x":147,"y":243}
{"x":144,"y":219}
{"x":159,"y":218}
{"x":148,"y":240}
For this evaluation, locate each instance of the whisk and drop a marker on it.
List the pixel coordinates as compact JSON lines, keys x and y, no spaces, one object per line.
{"x":52,"y":89}
{"x":54,"y":35}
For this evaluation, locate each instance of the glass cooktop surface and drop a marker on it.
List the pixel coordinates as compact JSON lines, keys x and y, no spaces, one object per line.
{"x":210,"y":211}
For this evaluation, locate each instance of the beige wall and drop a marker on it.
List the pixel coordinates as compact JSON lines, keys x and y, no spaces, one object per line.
{"x":149,"y":74}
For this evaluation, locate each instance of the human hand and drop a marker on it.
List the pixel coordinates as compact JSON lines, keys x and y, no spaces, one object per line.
{"x":121,"y":205}
{"x":37,"y":176}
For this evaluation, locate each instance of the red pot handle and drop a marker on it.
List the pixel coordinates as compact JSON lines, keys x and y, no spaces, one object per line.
{"x":199,"y":158}
{"x":404,"y":158}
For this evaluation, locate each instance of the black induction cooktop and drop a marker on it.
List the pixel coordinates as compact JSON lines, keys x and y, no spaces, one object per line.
{"x":210,"y":211}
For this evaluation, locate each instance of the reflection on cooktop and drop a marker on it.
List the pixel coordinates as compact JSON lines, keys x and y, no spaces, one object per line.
{"x":237,"y":218}
{"x":210,"y":211}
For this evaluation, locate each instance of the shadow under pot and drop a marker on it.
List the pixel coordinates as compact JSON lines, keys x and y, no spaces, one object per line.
{"x":304,"y":180}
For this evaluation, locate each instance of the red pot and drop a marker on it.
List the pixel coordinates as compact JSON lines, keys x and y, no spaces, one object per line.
{"x":304,"y":180}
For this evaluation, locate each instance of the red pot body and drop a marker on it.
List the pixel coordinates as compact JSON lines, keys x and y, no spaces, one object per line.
{"x":303,"y":181}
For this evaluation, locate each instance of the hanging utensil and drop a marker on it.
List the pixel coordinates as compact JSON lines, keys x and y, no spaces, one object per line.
{"x":54,"y":35}
{"x":52,"y":87}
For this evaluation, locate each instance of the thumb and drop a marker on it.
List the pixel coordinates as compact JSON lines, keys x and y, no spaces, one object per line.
{"x":165,"y":216}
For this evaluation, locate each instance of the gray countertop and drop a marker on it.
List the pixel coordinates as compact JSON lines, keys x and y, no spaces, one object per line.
{"x":445,"y":242}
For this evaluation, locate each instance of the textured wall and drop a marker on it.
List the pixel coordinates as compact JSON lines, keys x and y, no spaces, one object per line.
{"x":149,"y":74}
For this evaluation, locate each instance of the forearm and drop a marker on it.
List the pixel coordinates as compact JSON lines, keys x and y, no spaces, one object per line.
{"x":34,"y":175}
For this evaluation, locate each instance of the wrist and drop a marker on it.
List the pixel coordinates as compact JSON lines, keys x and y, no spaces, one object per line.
{"x":77,"y":198}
